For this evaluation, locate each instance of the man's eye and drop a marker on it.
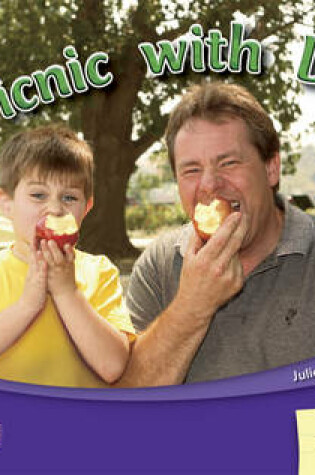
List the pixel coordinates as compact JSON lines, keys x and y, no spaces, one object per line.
{"x":229,"y":163}
{"x":191,"y":171}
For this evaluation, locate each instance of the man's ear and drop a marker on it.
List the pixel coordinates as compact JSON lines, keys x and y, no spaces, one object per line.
{"x":5,"y":204}
{"x":273,"y":169}
{"x":89,"y":205}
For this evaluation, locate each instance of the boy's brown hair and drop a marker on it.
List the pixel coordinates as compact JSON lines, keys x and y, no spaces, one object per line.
{"x":48,"y":150}
{"x":217,"y":102}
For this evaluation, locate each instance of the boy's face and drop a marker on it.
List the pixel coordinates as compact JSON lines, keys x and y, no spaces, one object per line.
{"x":34,"y":198}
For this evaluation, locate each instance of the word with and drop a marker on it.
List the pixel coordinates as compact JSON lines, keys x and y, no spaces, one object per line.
{"x":21,"y":97}
{"x":204,"y":52}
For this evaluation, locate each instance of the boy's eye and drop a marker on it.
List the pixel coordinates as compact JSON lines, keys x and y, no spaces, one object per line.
{"x":38,"y":196}
{"x":69,"y":198}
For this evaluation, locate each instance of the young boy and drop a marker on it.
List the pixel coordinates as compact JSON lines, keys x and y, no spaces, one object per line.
{"x":62,"y":318}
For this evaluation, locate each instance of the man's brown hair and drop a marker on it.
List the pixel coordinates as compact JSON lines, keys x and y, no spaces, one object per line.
{"x":217,"y":102}
{"x":49,"y":150}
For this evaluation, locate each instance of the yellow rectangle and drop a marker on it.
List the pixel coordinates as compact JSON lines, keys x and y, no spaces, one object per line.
{"x":306,"y":436}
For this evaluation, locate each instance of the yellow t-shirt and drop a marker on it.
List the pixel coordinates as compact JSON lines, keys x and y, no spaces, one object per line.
{"x":45,"y":353}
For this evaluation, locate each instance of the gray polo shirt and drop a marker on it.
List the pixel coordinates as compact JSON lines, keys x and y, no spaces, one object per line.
{"x":270,"y":323}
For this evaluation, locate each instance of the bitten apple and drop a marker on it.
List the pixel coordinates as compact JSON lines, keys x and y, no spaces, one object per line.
{"x":208,"y":218}
{"x":62,"y":229}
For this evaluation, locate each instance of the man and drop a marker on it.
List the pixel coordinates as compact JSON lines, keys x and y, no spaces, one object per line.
{"x":244,"y":301}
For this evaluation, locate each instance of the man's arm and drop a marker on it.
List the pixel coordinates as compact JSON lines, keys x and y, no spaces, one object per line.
{"x":211,"y":275}
{"x":163,"y":353}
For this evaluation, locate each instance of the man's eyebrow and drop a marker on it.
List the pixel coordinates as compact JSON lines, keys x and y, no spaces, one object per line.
{"x":193,"y":163}
{"x":229,"y":153}
{"x":188,"y":163}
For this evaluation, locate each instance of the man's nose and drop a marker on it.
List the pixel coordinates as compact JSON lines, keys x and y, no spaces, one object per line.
{"x":210,"y":182}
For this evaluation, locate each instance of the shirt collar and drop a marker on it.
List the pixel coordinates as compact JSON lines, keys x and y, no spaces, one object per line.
{"x":296,"y":235}
{"x":183,"y":238}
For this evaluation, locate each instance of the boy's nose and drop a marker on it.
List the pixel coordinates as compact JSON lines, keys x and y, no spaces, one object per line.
{"x":55,"y":207}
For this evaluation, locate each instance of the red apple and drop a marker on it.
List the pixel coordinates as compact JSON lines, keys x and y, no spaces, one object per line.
{"x":62,"y":229}
{"x":208,"y":218}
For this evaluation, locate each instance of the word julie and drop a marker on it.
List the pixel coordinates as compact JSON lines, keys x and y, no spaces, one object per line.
{"x":28,"y":92}
{"x":214,"y":52}
{"x":303,"y":375}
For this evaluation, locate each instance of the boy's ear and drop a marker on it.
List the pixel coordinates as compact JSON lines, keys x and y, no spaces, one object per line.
{"x":89,"y":205}
{"x":5,"y":204}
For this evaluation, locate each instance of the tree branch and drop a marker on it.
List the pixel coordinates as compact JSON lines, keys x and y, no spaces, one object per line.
{"x":142,"y":144}
{"x":148,"y":138}
{"x":138,"y":21}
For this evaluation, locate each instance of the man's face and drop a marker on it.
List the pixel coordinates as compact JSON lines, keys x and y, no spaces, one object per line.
{"x":218,"y":160}
{"x":34,"y":198}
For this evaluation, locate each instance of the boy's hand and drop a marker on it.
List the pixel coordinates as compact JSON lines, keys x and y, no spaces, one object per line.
{"x":61,"y":271}
{"x":35,"y":289}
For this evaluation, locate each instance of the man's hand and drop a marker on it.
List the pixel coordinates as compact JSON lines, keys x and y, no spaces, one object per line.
{"x":61,"y":270}
{"x":35,"y":289}
{"x":212,"y":273}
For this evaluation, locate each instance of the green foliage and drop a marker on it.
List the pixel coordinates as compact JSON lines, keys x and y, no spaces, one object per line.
{"x":149,"y":217}
{"x":141,"y":183}
{"x":33,"y":35}
{"x":122,"y":122}
{"x":146,"y":182}
{"x":292,"y":157}
{"x":161,"y":161}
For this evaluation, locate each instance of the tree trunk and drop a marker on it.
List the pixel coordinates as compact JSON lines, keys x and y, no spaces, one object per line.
{"x":107,"y":123}
{"x":104,"y":229}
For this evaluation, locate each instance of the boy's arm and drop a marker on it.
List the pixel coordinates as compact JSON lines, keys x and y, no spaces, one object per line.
{"x":103,"y":347}
{"x":15,"y":319}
